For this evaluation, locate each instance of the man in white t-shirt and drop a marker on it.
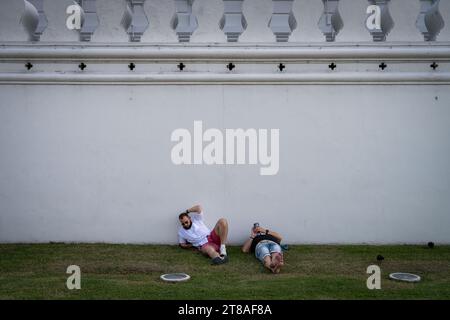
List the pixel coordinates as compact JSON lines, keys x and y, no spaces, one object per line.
{"x":194,"y":233}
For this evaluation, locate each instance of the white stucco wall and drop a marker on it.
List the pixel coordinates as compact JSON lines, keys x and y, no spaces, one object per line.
{"x":364,"y":153}
{"x":356,"y":170}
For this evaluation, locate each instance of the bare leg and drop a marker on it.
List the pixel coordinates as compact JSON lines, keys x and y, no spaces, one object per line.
{"x":267,"y":262}
{"x":277,"y":262}
{"x":221,"y":230}
{"x":210,"y":251}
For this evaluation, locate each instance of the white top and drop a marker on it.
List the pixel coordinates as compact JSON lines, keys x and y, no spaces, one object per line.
{"x":197,"y":234}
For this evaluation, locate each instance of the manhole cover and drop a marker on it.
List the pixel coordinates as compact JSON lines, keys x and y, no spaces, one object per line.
{"x":402,"y":276}
{"x":175,"y":277}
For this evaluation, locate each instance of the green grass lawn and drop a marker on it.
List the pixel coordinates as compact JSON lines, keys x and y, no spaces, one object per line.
{"x":38,"y":271}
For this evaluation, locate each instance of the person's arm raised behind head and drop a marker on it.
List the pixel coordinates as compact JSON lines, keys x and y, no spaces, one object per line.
{"x":197,"y":208}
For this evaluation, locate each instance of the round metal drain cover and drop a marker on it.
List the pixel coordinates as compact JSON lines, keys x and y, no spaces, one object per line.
{"x":175,"y":277}
{"x":402,"y":276}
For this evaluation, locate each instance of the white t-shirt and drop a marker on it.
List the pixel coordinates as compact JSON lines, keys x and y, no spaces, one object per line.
{"x":197,"y":234}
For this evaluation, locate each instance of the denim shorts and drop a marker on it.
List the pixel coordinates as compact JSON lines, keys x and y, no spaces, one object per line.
{"x":265,"y":247}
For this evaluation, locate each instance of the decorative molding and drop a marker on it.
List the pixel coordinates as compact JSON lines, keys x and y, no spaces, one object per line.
{"x":134,"y":19}
{"x":282,"y":21}
{"x":158,"y":64}
{"x":386,"y":21}
{"x":233,"y":22}
{"x":430,"y":21}
{"x":89,"y":20}
{"x":34,"y":19}
{"x":184,"y":22}
{"x":422,"y":51}
{"x":330,"y":23}
{"x":205,"y":78}
{"x":306,"y":64}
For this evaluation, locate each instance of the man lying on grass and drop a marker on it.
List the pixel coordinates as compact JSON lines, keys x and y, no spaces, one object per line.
{"x":194,"y":233}
{"x":265,"y":244}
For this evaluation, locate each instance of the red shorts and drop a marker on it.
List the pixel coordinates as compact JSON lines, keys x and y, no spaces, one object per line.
{"x":213,"y":240}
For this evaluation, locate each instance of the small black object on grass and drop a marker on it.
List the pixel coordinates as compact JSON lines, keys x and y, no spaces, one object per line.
{"x":380,"y":257}
{"x":431,"y":245}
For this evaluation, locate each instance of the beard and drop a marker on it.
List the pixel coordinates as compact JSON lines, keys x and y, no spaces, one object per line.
{"x":188,"y":227}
